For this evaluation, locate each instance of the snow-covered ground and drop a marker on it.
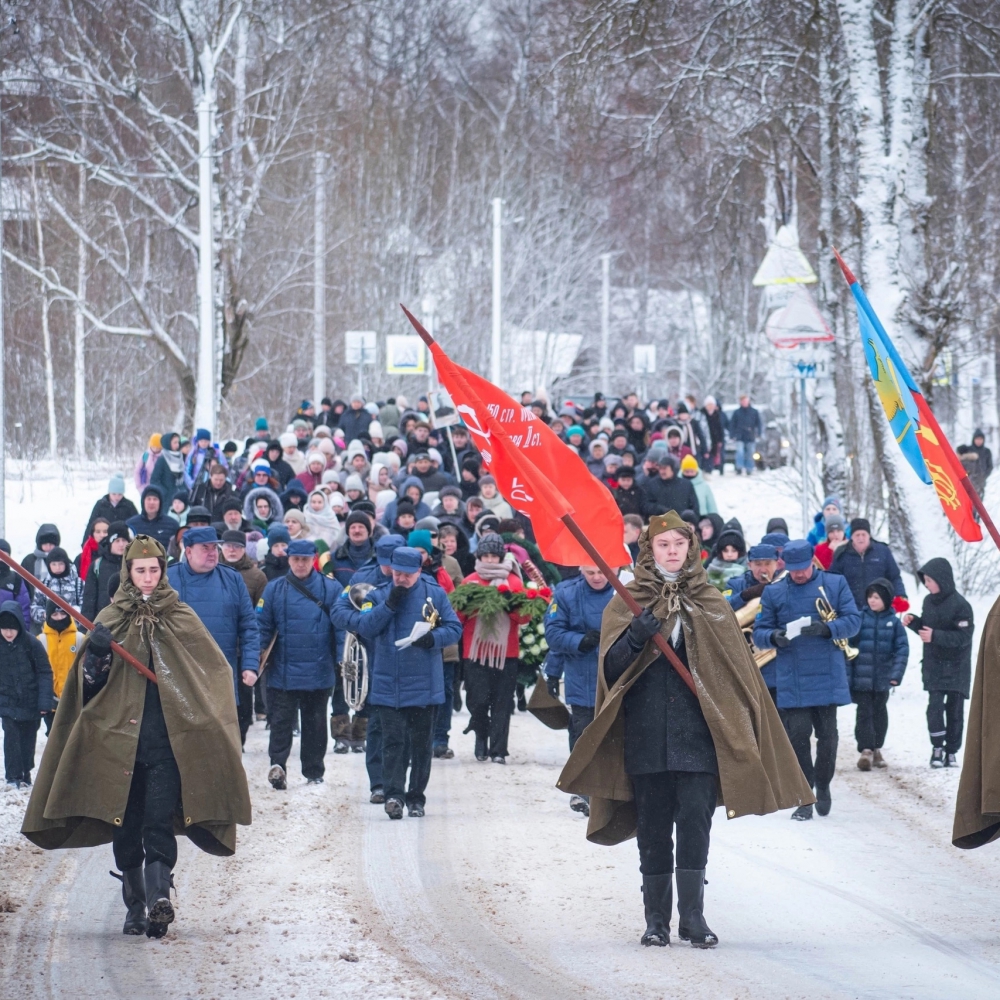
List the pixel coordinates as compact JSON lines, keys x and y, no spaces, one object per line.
{"x":496,"y":893}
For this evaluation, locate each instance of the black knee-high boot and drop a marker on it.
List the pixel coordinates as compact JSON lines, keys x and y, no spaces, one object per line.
{"x":691,"y":924}
{"x":658,"y":898}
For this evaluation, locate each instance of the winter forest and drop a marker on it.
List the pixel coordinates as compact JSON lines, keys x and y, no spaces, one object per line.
{"x":357,"y":149}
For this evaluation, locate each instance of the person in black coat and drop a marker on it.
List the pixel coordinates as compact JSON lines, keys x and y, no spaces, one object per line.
{"x":863,"y":561}
{"x":25,"y":694}
{"x":355,"y":420}
{"x":945,"y":627}
{"x":669,"y":491}
{"x":626,"y":494}
{"x":883,"y":650}
{"x":213,"y":492}
{"x":107,"y":564}
{"x":977,"y":460}
{"x":113,"y":506}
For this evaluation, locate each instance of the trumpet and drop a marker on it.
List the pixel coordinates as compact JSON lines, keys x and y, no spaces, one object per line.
{"x":430,"y":613}
{"x":354,"y":666}
{"x":827,"y":614}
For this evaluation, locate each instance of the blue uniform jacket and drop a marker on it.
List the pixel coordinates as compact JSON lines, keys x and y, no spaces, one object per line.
{"x":404,"y":678}
{"x":303,"y":656}
{"x":576,"y":608}
{"x":220,"y":599}
{"x":736,"y":585}
{"x":811,"y":671}
{"x":883,"y":651}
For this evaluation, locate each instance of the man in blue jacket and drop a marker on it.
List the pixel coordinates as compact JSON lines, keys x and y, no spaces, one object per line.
{"x":152,"y":519}
{"x":810,"y":670}
{"x":862,"y":561}
{"x":407,"y":683}
{"x":762,"y":568}
{"x":301,"y":669}
{"x":573,"y":632}
{"x":219,"y":597}
{"x":345,"y":618}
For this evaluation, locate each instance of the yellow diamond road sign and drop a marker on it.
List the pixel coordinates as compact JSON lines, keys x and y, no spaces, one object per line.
{"x":784,"y":263}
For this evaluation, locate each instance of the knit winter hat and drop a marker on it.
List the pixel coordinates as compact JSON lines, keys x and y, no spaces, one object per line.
{"x":202,"y":434}
{"x":861,"y":524}
{"x":354,"y":482}
{"x":288,"y":440}
{"x":421,"y":539}
{"x":154,"y":442}
{"x":232,"y":503}
{"x":260,"y":424}
{"x":689,"y":464}
{"x":118,"y":529}
{"x":358,"y":517}
{"x":375,"y":430}
{"x":295,"y":515}
{"x":316,"y":456}
{"x":405,"y":507}
{"x":278,"y":533}
{"x":834,"y":523}
{"x":491,"y":544}
{"x":234,"y":538}
{"x":116,"y":484}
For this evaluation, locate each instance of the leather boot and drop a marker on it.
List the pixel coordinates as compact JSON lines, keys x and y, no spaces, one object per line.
{"x":658,"y":899}
{"x":134,"y":896}
{"x":691,"y":924}
{"x":340,"y":730}
{"x":359,"y":733}
{"x":159,"y":882}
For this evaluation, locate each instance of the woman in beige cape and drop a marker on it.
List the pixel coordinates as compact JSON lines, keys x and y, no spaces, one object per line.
{"x":655,"y":755}
{"x":134,"y":763}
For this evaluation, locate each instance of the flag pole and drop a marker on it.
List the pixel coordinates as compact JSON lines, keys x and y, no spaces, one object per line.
{"x":977,"y":502}
{"x":73,"y":613}
{"x":599,"y":560}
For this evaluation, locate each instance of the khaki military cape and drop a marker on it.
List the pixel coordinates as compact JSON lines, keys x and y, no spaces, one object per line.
{"x":758,"y":771}
{"x":82,"y":786}
{"x":977,"y":807}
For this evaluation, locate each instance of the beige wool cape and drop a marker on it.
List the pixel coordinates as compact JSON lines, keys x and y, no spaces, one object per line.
{"x":758,"y":771}
{"x":81,"y":790}
{"x":977,"y":807}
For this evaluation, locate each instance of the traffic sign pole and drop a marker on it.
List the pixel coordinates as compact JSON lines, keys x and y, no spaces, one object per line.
{"x":804,"y":421}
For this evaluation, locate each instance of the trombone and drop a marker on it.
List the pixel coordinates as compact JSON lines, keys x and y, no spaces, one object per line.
{"x":827,"y":614}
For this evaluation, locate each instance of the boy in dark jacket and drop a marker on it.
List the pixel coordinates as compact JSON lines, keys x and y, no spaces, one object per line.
{"x":945,"y":628}
{"x":880,"y":664}
{"x":25,"y":693}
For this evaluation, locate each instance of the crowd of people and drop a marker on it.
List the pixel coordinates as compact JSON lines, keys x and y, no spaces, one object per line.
{"x":362,"y":520}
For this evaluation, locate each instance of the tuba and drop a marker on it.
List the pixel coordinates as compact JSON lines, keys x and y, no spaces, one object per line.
{"x":827,"y":614}
{"x":745,"y":619}
{"x":354,"y":665}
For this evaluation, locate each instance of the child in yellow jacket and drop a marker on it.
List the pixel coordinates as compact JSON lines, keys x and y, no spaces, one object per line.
{"x":59,"y":637}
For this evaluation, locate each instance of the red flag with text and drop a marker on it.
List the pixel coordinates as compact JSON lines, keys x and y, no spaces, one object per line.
{"x":538,"y":474}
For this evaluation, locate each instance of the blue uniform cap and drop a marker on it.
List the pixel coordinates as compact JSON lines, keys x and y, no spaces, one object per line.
{"x":407,"y":560}
{"x":798,"y":554}
{"x":302,"y":547}
{"x":201,"y":536}
{"x":762,"y":551}
{"x":385,"y":547}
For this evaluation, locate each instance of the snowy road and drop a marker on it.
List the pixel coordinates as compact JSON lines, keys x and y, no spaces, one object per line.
{"x":496,"y":894}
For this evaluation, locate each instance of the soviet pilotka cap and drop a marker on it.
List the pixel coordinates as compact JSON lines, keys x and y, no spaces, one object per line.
{"x":671,"y":521}
{"x":145,"y":547}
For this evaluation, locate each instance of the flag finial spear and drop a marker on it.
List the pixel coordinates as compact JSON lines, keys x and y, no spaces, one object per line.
{"x":851,"y":280}
{"x":418,"y":326}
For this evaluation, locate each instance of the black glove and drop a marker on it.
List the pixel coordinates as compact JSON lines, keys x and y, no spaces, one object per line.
{"x":425,"y":641}
{"x":552,"y":684}
{"x":395,"y":596}
{"x":100,"y":640}
{"x":590,"y":641}
{"x":643,"y":628}
{"x":751,"y":592}
{"x":779,"y":639}
{"x":817,"y":628}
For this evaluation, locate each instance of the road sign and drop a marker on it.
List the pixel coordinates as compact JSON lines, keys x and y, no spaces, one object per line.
{"x":798,"y":322}
{"x":784,"y":263}
{"x":404,"y":355}
{"x":359,"y":347}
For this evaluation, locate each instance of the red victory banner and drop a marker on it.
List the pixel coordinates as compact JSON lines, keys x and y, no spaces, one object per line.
{"x":538,"y":474}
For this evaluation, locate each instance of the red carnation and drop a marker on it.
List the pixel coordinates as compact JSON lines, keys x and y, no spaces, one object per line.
{"x":503,"y":588}
{"x":900,"y":604}
{"x":546,"y":592}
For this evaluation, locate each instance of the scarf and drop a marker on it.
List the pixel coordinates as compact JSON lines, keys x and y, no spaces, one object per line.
{"x":175,"y":461}
{"x":490,"y":634}
{"x":323,"y":523}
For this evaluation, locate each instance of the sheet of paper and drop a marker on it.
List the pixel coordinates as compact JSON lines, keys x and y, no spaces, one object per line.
{"x":419,"y":629}
{"x":794,"y":629}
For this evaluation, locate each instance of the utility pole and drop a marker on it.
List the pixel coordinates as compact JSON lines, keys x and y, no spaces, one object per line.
{"x":605,"y":322}
{"x":804,"y":432}
{"x":495,"y":371}
{"x":79,"y":330}
{"x":205,"y":414}
{"x":319,"y":281}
